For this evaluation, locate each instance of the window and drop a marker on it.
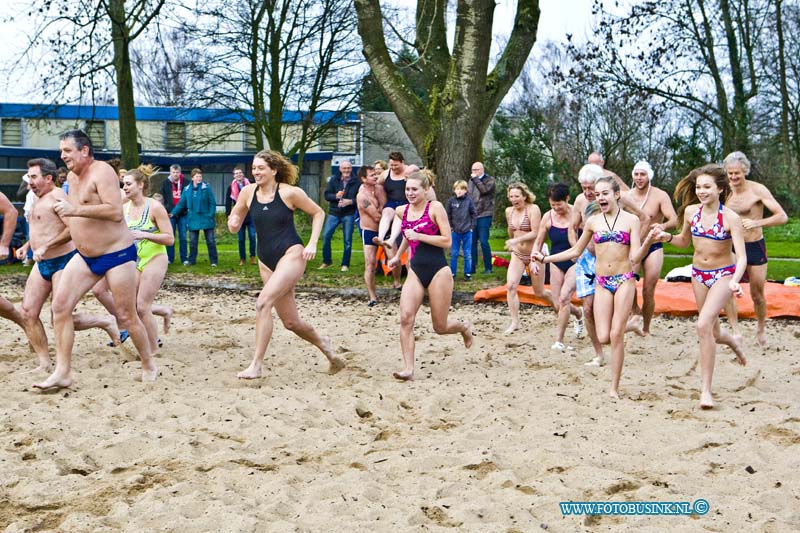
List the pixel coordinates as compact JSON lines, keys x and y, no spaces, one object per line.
{"x":249,"y":137}
{"x":347,"y":139}
{"x":327,"y":141}
{"x":11,"y":131}
{"x":96,"y":130}
{"x":175,"y":136}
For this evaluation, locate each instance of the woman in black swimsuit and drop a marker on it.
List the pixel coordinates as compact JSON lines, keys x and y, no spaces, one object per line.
{"x":426,"y":231}
{"x":271,"y":202}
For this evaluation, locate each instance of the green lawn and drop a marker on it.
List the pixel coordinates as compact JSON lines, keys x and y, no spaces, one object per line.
{"x":781,"y":242}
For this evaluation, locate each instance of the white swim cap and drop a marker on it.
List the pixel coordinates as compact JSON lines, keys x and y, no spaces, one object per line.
{"x":644,"y":165}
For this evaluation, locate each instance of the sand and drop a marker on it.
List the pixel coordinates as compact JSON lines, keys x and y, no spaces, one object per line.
{"x":486,"y":440}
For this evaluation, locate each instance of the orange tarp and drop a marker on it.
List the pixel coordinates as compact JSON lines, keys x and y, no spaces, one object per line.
{"x":677,"y":299}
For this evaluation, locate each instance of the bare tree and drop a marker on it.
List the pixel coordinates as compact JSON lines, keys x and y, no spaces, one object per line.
{"x":696,"y":54}
{"x":464,"y":94}
{"x":266,"y":58}
{"x":85,"y":46}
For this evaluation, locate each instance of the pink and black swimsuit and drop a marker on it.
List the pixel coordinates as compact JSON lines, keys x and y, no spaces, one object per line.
{"x":426,"y":260}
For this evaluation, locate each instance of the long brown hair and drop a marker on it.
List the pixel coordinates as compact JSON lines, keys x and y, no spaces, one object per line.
{"x":285,"y":171}
{"x":685,"y":193}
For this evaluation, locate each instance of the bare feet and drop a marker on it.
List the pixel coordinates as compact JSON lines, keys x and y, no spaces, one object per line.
{"x":706,"y":402}
{"x":167,"y":319}
{"x":54,"y":382}
{"x":597,"y":361}
{"x":336,"y":364}
{"x":113,"y":332}
{"x":405,"y":375}
{"x":251,"y":372}
{"x":737,"y":349}
{"x":467,"y":334}
{"x":761,"y":338}
{"x":512,"y":328}
{"x":43,"y":367}
{"x":635,"y":325}
{"x":149,"y":375}
{"x":614,"y":394}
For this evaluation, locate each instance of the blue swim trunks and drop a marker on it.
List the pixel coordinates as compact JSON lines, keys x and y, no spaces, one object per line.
{"x":48,"y":267}
{"x":101,"y":264}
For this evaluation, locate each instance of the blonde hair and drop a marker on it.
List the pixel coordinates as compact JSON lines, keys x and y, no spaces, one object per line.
{"x":526,"y":192}
{"x":423,"y":177}
{"x":142,"y":175}
{"x":285,"y":171}
{"x":460,"y":184}
{"x":380,"y":162}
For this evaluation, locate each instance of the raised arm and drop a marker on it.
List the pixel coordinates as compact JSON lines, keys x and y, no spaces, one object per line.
{"x":778,"y":216}
{"x":298,"y":199}
{"x":161,"y":218}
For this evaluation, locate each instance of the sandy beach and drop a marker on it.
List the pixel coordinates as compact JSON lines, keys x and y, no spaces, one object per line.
{"x":490,"y":439}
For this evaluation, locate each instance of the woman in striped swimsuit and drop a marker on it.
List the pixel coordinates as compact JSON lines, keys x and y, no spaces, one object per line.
{"x":713,"y":230}
{"x":522,"y":217}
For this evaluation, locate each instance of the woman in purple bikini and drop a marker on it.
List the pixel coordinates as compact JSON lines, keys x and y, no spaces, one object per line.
{"x":426,"y":233}
{"x":617,"y":247}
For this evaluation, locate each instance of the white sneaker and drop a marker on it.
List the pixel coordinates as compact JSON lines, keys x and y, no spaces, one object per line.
{"x":577,"y":325}
{"x":559,"y":346}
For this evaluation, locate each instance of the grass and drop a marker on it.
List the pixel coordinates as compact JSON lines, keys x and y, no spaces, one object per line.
{"x":782,"y":242}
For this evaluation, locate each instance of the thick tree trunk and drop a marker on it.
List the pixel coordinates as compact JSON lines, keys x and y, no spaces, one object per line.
{"x":448,"y":131}
{"x":128,"y":136}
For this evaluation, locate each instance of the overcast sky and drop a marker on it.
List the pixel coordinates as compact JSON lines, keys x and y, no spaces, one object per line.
{"x":558,"y":17}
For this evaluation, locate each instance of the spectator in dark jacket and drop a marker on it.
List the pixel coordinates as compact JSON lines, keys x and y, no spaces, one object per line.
{"x":248,"y":228}
{"x":481,"y":190}
{"x":198,"y":204}
{"x":462,"y":214}
{"x":341,"y":195}
{"x":171,"y":190}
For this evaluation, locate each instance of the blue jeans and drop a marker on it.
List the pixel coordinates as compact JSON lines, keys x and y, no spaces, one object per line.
{"x":331,"y":223}
{"x":211,"y":243}
{"x":461,"y":241}
{"x":482,"y":228}
{"x":250,"y":229}
{"x":179,"y":230}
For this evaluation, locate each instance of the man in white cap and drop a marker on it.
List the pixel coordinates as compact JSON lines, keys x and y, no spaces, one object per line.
{"x":656,"y":204}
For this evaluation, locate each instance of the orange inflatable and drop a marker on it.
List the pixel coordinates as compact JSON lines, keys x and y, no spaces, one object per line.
{"x":677,"y":299}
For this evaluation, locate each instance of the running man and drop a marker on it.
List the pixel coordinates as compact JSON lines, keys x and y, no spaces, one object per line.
{"x":748,"y":199}
{"x":657,"y":205}
{"x":105,"y":250}
{"x":52,"y":250}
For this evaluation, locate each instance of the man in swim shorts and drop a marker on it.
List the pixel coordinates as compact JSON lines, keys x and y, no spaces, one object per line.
{"x":105,"y":250}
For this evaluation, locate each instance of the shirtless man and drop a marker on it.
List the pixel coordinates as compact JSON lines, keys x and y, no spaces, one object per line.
{"x":105,"y":249}
{"x":52,"y":249}
{"x":748,"y":199}
{"x":656,"y":204}
{"x":369,"y":210}
{"x":596,"y":158}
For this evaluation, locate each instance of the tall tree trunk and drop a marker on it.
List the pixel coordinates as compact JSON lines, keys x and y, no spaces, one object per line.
{"x":463,"y":95}
{"x":786,"y":149}
{"x":128,"y":136}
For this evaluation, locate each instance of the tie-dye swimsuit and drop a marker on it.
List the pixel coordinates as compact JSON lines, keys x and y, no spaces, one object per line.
{"x":613,"y":282}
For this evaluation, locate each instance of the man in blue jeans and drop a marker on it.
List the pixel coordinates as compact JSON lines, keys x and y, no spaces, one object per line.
{"x":248,"y":228}
{"x":171,"y":190}
{"x":341,"y":195}
{"x":481,"y":189}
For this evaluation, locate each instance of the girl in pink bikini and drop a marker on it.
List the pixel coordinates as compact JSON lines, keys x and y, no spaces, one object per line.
{"x":617,"y":247}
{"x":712,"y":229}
